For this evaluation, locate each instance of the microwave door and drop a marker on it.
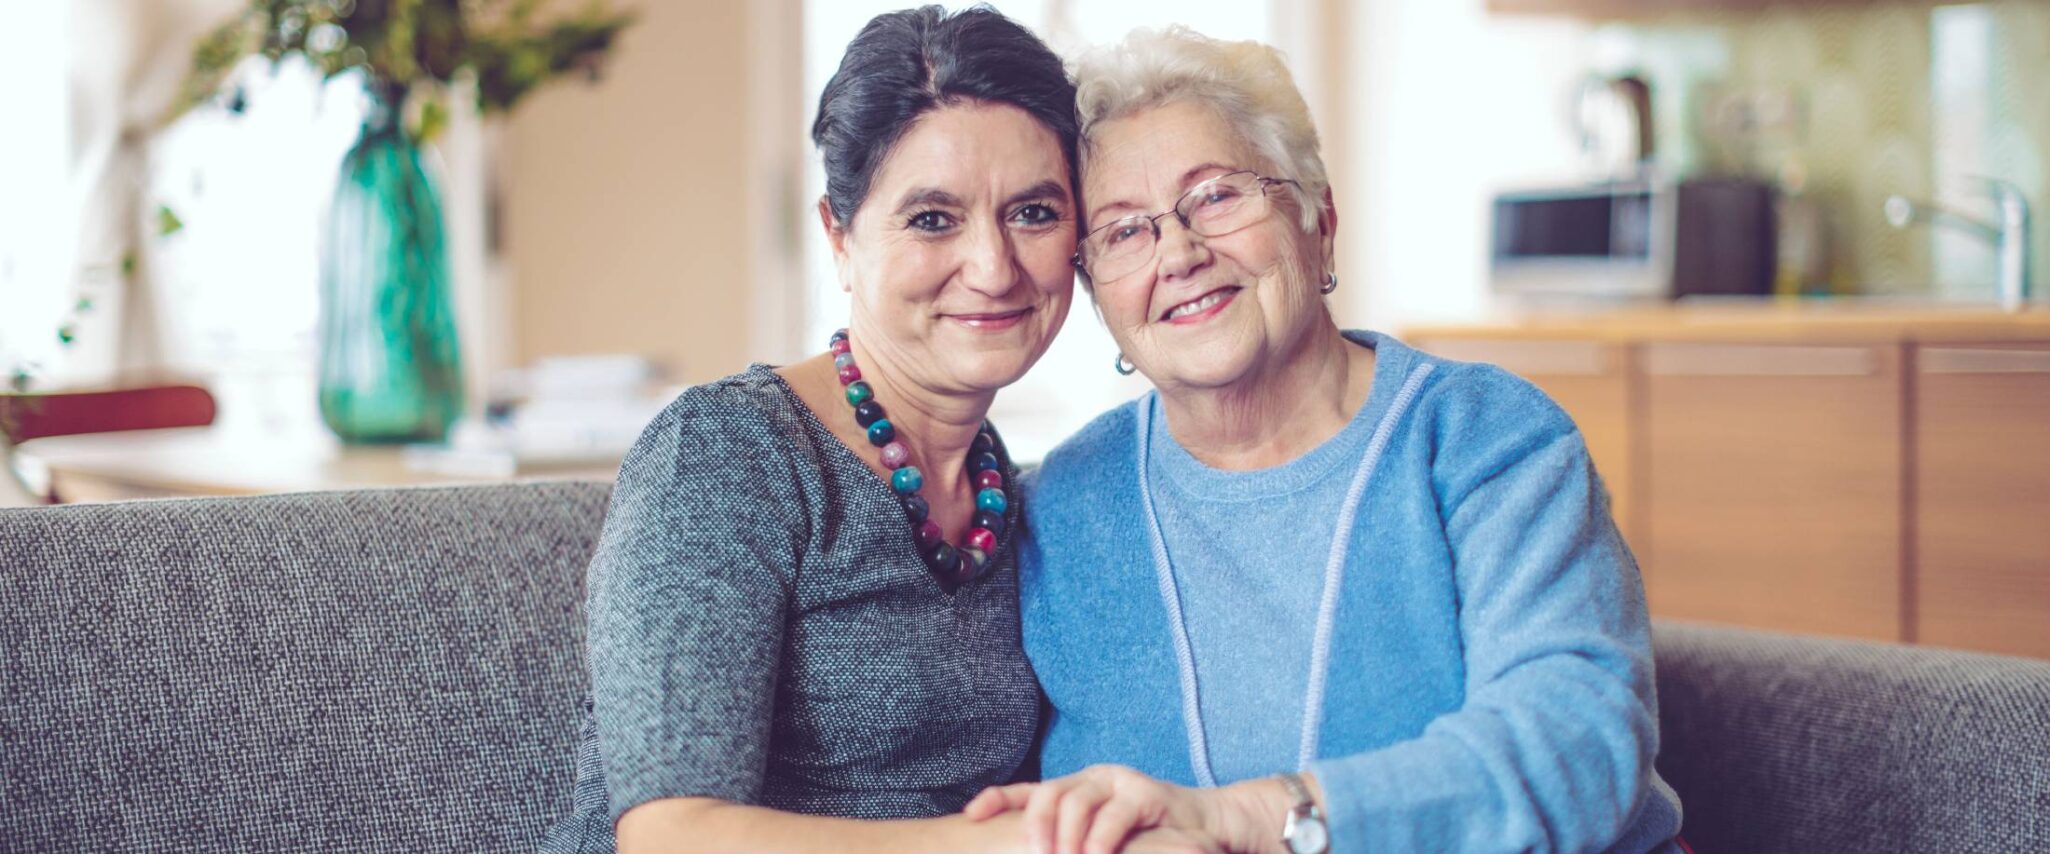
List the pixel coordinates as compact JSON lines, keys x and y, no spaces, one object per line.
{"x":1599,"y":242}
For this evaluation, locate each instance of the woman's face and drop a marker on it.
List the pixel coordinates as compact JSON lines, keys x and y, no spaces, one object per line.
{"x":959,"y":259}
{"x":1206,"y":312}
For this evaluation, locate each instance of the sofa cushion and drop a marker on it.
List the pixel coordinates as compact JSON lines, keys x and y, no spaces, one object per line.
{"x":1799,"y":744}
{"x":394,"y":670}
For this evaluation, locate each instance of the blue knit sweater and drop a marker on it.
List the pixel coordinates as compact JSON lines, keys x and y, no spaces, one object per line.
{"x":1488,"y":684}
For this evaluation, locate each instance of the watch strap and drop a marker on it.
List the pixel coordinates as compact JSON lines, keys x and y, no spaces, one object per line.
{"x":1303,"y":830}
{"x":1298,"y":791}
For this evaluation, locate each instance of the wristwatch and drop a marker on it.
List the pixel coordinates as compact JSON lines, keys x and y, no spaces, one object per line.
{"x":1303,"y":831}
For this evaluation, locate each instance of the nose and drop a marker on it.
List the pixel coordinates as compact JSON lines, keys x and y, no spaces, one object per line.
{"x":1181,"y":251}
{"x":991,"y":265}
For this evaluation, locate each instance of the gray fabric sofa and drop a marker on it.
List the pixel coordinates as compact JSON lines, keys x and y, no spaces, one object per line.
{"x":400,"y":671}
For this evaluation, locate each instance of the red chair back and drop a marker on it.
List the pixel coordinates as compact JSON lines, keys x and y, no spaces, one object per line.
{"x":33,"y":416}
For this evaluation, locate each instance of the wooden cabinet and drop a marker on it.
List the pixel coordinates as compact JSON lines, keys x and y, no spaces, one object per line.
{"x":1848,"y":470}
{"x":1981,"y":534}
{"x":1589,"y":379}
{"x":1772,"y":486}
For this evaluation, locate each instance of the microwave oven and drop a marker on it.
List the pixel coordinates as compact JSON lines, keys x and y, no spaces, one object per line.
{"x":1635,"y":239}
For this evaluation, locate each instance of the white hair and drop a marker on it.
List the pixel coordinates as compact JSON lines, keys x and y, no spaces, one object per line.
{"x":1245,"y":82}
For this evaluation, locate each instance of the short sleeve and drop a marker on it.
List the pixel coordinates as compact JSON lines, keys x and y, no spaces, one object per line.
{"x":687,"y":602}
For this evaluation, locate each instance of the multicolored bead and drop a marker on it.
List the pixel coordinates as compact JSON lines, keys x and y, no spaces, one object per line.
{"x":984,"y":443}
{"x":944,"y":559}
{"x":974,"y":564}
{"x":907,"y":480}
{"x":990,"y":499}
{"x":989,"y":479}
{"x":867,"y":412}
{"x":984,"y":462}
{"x":896,"y":456}
{"x":916,"y":509}
{"x":849,"y":374}
{"x":928,"y":533}
{"x":858,"y":392}
{"x":882,"y":433}
{"x":990,"y":520}
{"x":838,"y":346}
{"x":982,"y":538}
{"x":844,"y":360}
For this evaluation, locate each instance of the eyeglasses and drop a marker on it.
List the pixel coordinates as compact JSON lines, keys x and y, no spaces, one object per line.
{"x":1214,"y":208}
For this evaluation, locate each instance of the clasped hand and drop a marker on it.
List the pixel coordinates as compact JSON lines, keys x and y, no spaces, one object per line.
{"x":1110,"y":808}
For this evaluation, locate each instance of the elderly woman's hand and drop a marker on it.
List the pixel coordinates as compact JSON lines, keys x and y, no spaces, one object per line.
{"x":1094,"y":811}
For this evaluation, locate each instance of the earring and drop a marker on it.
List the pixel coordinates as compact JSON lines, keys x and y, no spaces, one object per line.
{"x":1124,"y":367}
{"x":1330,"y":284}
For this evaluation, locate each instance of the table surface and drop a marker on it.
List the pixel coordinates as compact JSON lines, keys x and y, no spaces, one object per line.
{"x":193,"y":461}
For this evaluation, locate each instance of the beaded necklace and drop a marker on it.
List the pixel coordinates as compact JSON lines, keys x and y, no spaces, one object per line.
{"x":952,"y":566}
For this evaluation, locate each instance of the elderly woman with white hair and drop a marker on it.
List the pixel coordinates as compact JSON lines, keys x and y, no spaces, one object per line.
{"x":1318,"y":590}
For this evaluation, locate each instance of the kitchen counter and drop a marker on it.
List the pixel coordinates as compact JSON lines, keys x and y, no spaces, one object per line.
{"x":1765,"y":321}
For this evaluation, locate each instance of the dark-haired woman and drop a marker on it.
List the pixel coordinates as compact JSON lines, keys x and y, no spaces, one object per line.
{"x":803,"y":607}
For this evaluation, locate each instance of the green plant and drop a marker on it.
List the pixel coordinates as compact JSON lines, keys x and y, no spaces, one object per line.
{"x":406,"y":46}
{"x":21,"y":372}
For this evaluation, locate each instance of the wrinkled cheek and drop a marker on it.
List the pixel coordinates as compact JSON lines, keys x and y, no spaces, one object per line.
{"x":1050,"y":263}
{"x":1125,"y":312}
{"x":906,"y":276}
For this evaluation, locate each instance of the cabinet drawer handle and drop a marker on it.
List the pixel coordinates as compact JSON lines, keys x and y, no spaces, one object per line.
{"x":1730,"y":360}
{"x":1954,"y":360}
{"x":1529,"y":358}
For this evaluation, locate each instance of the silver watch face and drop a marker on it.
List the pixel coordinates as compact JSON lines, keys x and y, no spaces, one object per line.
{"x":1307,"y":835}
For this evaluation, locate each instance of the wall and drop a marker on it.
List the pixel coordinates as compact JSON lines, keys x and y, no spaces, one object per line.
{"x":630,"y":223}
{"x":1447,"y":104}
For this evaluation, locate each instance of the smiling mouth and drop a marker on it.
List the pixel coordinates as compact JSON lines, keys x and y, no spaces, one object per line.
{"x":993,"y":319}
{"x":1200,"y":304}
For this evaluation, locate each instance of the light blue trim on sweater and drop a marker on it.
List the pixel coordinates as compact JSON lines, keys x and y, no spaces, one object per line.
{"x":1334,"y":570}
{"x":1178,"y":623}
{"x":1327,"y":609}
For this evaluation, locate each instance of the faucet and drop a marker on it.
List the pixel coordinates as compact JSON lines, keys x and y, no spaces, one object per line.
{"x":2009,"y":236}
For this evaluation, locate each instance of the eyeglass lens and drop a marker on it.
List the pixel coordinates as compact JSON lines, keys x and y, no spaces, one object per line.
{"x":1213,"y":208}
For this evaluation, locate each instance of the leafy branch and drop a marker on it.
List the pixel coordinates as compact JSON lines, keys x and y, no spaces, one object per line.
{"x":512,"y":46}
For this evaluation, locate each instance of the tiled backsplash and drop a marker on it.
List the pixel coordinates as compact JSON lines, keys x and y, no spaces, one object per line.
{"x":1860,"y":102}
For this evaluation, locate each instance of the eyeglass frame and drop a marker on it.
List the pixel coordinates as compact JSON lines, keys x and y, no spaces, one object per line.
{"x":1153,"y":220}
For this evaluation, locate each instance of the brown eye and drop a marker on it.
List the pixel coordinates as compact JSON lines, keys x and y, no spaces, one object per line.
{"x":931,"y":221}
{"x":1036,"y":215}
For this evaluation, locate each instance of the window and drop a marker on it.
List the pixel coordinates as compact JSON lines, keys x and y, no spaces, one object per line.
{"x":37,"y":236}
{"x":238,"y":284}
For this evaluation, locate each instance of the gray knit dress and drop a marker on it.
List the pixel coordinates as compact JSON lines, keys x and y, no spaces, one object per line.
{"x":763,"y":631}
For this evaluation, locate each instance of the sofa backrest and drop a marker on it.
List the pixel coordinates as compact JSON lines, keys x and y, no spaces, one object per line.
{"x":399,"y":670}
{"x":1779,"y":743}
{"x":366,"y":671}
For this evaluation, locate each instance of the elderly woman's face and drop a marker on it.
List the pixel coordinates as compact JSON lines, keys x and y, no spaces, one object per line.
{"x":1206,"y":312}
{"x":959,"y":259}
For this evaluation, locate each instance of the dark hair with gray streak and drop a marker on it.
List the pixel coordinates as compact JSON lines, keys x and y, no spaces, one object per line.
{"x":906,"y":63}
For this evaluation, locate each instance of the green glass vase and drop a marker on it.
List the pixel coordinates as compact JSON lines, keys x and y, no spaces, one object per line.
{"x":389,"y":364}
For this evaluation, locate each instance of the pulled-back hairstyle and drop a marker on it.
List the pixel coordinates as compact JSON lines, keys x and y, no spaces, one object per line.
{"x":1245,"y":82}
{"x":904,"y":64}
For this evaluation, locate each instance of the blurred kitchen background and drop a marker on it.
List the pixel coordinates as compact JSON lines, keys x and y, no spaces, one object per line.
{"x":1773,"y":255}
